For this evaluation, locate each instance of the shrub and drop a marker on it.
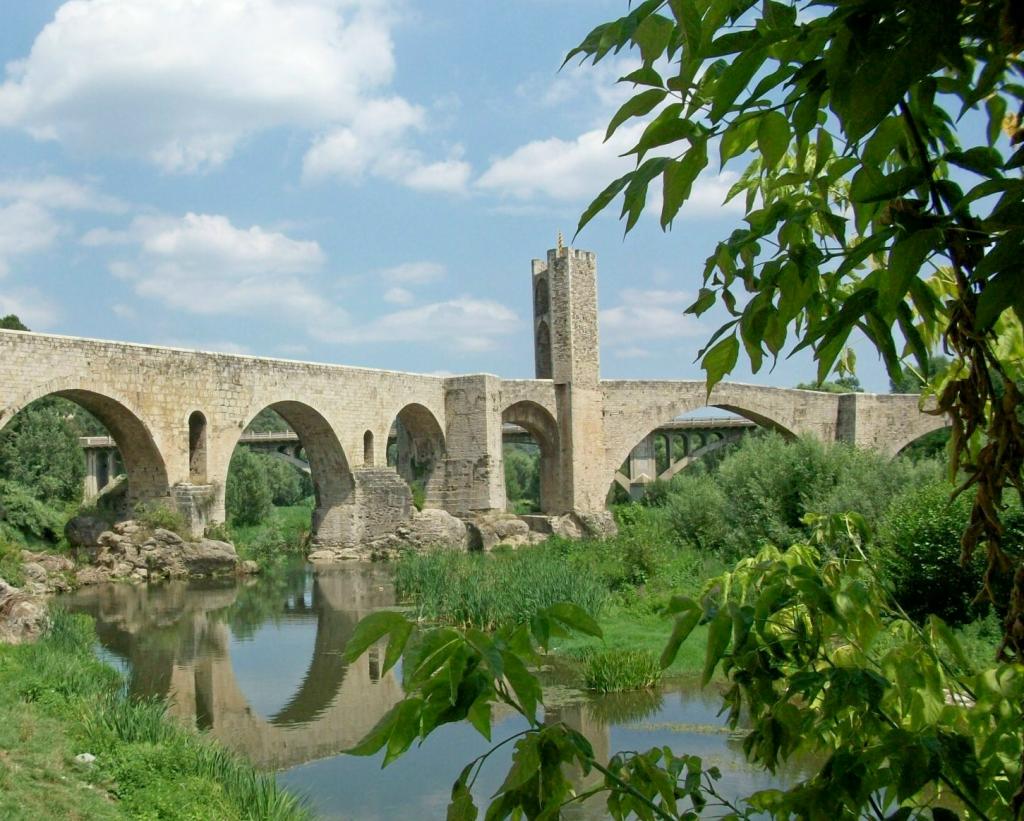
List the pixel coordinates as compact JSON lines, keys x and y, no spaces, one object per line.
{"x":24,"y":513}
{"x":10,"y":563}
{"x":919,"y":551}
{"x":613,"y":671}
{"x":248,"y":496}
{"x":159,"y":515}
{"x":283,"y":479}
{"x":697,"y":511}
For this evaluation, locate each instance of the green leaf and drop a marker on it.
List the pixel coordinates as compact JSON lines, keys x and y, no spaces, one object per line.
{"x":370,"y":630}
{"x":719,"y":633}
{"x":637,"y":106}
{"x":738,"y":137}
{"x":773,"y":137}
{"x":705,"y":299}
{"x":602,"y":200}
{"x":720,"y":360}
{"x":524,"y":684}
{"x":734,"y":79}
{"x":652,"y":36}
{"x":404,"y":729}
{"x":680,"y":632}
{"x":479,"y":716}
{"x":461,"y":807}
{"x":870,"y":185}
{"x":575,"y":617}
{"x":644,"y":76}
{"x":1003,"y":291}
{"x":525,"y":765}
{"x":678,"y":178}
{"x":378,"y":736}
{"x":396,"y":644}
{"x":905,"y":261}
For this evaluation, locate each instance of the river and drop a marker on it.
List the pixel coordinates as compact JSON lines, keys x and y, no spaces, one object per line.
{"x":258,"y":664}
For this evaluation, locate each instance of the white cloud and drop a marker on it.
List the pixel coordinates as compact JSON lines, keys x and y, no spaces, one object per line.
{"x":202,"y":264}
{"x":376,"y":144}
{"x":562,"y":169}
{"x":398,"y":296}
{"x":414,"y":273}
{"x":577,"y":83}
{"x":34,"y":309}
{"x":578,"y":170}
{"x":25,"y":228}
{"x":184,"y":82}
{"x":60,"y":193}
{"x":466,"y":323}
{"x":647,"y":315}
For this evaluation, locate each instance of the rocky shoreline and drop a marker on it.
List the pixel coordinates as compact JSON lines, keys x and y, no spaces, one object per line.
{"x":127,"y":551}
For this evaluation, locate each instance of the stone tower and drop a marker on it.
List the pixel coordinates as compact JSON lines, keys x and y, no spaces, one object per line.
{"x":566,"y":351}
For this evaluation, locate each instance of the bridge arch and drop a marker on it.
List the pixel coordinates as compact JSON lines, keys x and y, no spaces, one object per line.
{"x":619,"y":452}
{"x":333,"y":484}
{"x":898,"y":444}
{"x":143,"y":460}
{"x":417,"y":451}
{"x":536,"y":420}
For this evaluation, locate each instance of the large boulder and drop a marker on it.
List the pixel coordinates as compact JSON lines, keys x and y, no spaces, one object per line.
{"x":85,"y":531}
{"x":434,"y":528}
{"x":491,"y":529}
{"x":23,"y":617}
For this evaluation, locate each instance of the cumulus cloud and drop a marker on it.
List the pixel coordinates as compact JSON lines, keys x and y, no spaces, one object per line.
{"x":183,"y":83}
{"x":647,"y":316}
{"x":25,"y":227}
{"x":577,"y":170}
{"x":203,"y":264}
{"x":60,"y":193}
{"x":466,"y":323}
{"x":376,"y":144}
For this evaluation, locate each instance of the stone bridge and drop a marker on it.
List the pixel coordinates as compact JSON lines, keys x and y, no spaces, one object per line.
{"x":177,"y":415}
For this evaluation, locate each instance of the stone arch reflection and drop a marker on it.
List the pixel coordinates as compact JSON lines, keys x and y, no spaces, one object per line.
{"x":178,"y":641}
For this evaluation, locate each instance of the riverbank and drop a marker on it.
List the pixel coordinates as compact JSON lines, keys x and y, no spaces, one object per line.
{"x":72,"y":745}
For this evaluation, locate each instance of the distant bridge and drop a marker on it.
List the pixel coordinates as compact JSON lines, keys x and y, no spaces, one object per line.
{"x":177,"y":415}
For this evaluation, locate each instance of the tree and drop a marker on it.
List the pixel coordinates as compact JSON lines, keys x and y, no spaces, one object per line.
{"x":847,"y":383}
{"x":12,"y":323}
{"x":39,"y":450}
{"x":248,"y":496}
{"x":853,"y":115}
{"x":850,"y":116}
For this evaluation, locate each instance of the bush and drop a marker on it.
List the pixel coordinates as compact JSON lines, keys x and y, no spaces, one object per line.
{"x":159,"y":515}
{"x":25,"y":514}
{"x":284,"y":481}
{"x":919,"y":551}
{"x":10,"y":563}
{"x":697,"y":510}
{"x":248,"y":497}
{"x":613,"y":671}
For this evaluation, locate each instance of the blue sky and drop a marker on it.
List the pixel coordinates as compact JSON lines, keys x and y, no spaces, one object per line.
{"x":352,"y":181}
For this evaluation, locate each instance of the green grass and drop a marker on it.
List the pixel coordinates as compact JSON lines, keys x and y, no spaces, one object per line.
{"x":493,"y":591}
{"x":646,"y":632}
{"x":618,"y":670}
{"x":58,"y":700}
{"x":285,"y":532}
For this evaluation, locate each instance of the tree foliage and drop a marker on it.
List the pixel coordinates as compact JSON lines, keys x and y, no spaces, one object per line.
{"x":10,"y":322}
{"x":881,"y":197}
{"x":39,"y":450}
{"x":248,"y":494}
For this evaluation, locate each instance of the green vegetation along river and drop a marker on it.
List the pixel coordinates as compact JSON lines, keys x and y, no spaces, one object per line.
{"x":259,"y":666}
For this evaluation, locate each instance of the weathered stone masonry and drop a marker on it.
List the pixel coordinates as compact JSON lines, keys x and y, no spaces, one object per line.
{"x":177,"y":415}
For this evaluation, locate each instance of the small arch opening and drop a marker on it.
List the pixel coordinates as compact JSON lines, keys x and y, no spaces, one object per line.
{"x":368,"y":449}
{"x":197,"y":448}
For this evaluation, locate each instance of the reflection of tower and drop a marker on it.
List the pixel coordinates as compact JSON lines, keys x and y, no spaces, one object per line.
{"x":566,"y":351}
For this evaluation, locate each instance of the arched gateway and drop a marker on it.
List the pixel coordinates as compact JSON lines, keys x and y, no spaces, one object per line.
{"x":176,"y":416}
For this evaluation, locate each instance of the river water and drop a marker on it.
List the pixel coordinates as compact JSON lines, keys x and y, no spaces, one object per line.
{"x":258,"y":664}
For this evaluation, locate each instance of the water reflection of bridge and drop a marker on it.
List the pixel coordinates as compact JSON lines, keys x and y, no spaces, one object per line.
{"x":177,"y":641}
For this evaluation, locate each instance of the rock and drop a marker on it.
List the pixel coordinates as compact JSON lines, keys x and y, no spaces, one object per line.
{"x":321,"y":556}
{"x":249,"y":568}
{"x":85,"y":758}
{"x":488,"y":530}
{"x":84,"y":531}
{"x":170,"y":537}
{"x":92,"y":575}
{"x":600,"y":525}
{"x":434,"y":528}
{"x":23,"y":617}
